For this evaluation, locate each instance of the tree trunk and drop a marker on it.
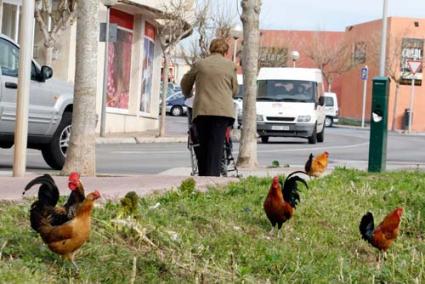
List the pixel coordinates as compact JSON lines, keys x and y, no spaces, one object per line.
{"x":48,"y":55}
{"x":251,"y":33}
{"x":164,"y":95}
{"x":397,"y":90}
{"x":81,"y":151}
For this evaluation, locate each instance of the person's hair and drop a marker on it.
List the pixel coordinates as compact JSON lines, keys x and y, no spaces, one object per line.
{"x":219,"y":45}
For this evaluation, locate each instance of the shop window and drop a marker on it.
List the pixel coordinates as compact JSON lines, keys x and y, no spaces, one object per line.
{"x":119,"y":61}
{"x":149,"y":52}
{"x":359,"y":55}
{"x":8,"y":26}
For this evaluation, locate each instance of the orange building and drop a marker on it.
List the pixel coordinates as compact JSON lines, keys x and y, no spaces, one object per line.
{"x":405,"y":40}
{"x":405,"y":43}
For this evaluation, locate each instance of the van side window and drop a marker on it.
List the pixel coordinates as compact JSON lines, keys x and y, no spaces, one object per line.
{"x":9,"y":58}
{"x":329,"y":101}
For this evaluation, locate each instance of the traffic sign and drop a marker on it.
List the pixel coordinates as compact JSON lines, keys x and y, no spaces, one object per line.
{"x":414,"y":66}
{"x":364,"y":73}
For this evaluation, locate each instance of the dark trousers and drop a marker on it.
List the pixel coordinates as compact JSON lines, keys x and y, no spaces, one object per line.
{"x":211,"y":133}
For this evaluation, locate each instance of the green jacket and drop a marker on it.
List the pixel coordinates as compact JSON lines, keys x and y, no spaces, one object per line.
{"x":216,"y":85}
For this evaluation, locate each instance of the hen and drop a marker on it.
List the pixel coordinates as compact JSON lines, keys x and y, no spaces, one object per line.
{"x":48,"y":196}
{"x":385,"y":233}
{"x":67,"y":238}
{"x":282,"y":200}
{"x":316,"y":166}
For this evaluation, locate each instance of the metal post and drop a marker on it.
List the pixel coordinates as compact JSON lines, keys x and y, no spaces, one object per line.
{"x":364,"y":101}
{"x":105,"y":77}
{"x":412,"y":100}
{"x":235,"y":48}
{"x":24,"y":79}
{"x":383,"y":40}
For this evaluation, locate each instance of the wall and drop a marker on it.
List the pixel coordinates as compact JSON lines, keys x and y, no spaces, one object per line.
{"x":351,"y":100}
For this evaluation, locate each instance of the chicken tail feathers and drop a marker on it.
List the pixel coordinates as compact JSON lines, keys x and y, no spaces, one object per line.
{"x":290,"y":189}
{"x":37,"y":218}
{"x":48,"y":192}
{"x":367,"y":226}
{"x":308,"y":164}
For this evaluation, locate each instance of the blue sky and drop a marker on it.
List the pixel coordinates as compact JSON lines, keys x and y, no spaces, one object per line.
{"x":329,"y":15}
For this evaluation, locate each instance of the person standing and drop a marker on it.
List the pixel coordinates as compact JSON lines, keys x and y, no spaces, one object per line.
{"x":215,"y":82}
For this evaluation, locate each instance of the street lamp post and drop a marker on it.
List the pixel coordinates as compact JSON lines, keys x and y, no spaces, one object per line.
{"x":236,"y":35}
{"x":24,"y":80}
{"x":383,"y":39}
{"x":295,"y":55}
{"x":108,"y":4}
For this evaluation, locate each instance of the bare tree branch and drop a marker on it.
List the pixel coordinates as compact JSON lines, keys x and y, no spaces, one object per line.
{"x":334,"y":58}
{"x":61,"y":14}
{"x":174,"y":26}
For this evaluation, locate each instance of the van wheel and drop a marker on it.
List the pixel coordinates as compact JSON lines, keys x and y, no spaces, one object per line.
{"x":313,"y":138}
{"x":329,"y":121}
{"x":321,"y":135}
{"x":54,"y":153}
{"x":264,"y":139}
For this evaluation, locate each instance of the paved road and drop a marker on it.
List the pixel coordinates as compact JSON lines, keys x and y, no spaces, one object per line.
{"x":347,"y":147}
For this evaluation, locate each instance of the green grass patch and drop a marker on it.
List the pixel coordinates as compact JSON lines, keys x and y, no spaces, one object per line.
{"x":222,"y":236}
{"x":350,"y":121}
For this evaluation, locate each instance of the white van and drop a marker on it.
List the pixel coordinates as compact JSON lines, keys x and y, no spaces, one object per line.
{"x":331,"y":109}
{"x":290,"y":104}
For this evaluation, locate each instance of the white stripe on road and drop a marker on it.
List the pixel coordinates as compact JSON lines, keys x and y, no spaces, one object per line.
{"x":314,"y":148}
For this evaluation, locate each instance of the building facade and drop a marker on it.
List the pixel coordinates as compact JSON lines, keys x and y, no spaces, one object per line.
{"x":133,"y":66}
{"x":405,"y":42}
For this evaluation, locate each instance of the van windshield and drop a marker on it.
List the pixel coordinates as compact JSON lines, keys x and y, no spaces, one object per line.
{"x":286,"y":91}
{"x":329,"y":101}
{"x":240,"y":92}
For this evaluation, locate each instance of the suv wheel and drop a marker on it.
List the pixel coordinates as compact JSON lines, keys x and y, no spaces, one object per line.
{"x":329,"y":121}
{"x":176,"y":111}
{"x":313,"y":138}
{"x":54,"y":153}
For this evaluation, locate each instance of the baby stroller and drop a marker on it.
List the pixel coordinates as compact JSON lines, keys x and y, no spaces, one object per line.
{"x":228,"y":163}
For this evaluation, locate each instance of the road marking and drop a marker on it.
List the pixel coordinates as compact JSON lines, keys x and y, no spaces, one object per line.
{"x":314,"y":148}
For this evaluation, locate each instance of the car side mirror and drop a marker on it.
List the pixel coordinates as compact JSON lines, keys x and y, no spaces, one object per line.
{"x":45,"y":73}
{"x":322,"y":101}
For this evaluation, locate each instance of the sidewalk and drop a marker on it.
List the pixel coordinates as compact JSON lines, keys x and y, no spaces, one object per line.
{"x":141,"y":137}
{"x":115,"y":187}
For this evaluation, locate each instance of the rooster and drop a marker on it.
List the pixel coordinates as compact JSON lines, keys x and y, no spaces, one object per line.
{"x":316,"y":166}
{"x":384,"y":234}
{"x":48,"y":196}
{"x":282,"y":200}
{"x":67,"y":238}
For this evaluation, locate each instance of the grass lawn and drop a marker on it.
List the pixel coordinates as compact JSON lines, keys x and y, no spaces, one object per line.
{"x":222,"y":236}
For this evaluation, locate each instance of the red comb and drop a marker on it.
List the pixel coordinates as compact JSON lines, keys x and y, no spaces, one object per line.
{"x":74,"y":175}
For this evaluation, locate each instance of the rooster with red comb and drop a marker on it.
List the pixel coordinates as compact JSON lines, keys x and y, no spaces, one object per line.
{"x":48,"y":197}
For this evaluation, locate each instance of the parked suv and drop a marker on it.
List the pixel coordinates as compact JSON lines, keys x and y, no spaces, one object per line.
{"x":50,"y":106}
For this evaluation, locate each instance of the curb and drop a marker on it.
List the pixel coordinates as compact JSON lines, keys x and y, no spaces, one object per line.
{"x":178,"y":139}
{"x":140,"y":140}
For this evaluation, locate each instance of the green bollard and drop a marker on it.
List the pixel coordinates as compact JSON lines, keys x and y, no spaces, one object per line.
{"x":379,"y":125}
